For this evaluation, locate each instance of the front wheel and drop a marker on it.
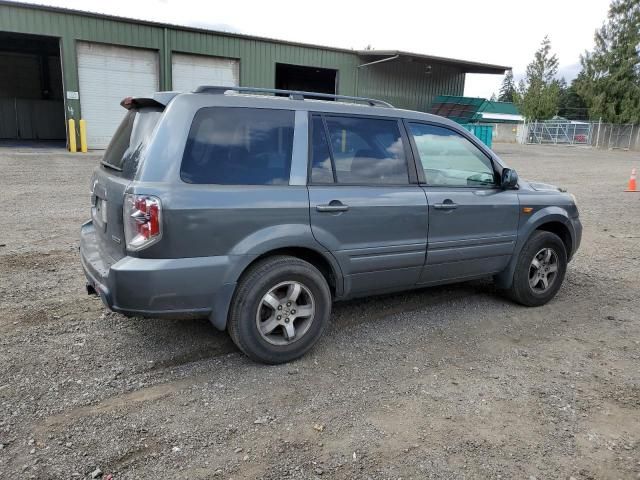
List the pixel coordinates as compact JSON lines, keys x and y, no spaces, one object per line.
{"x":540,"y":270}
{"x":280,"y":309}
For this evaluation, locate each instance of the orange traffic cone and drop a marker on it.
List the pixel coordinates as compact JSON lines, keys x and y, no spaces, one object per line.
{"x":632,"y":182}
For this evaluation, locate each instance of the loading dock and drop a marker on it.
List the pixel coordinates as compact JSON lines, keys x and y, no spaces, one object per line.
{"x":107,"y":74}
{"x":191,"y":71}
{"x":306,"y":79}
{"x":31,"y":92}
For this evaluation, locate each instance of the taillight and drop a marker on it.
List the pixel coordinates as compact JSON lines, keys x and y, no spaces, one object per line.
{"x":142,"y":217}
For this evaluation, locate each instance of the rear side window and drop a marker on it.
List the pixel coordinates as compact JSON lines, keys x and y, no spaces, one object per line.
{"x":133,"y":134}
{"x":239,"y":146}
{"x":367,"y":151}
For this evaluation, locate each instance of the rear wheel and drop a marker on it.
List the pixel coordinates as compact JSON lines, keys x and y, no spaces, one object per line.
{"x":280,"y":309}
{"x":540,"y":270}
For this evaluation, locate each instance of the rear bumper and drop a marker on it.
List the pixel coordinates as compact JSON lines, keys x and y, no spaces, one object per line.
{"x":174,"y":288}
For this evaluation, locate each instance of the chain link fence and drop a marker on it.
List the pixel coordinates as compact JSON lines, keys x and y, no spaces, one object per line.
{"x":593,"y":134}
{"x":616,"y":136}
{"x":567,"y":133}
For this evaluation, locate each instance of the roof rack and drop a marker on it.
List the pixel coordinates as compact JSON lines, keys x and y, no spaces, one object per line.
{"x":293,"y":94}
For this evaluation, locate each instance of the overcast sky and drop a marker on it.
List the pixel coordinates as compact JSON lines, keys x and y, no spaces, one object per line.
{"x":503,"y":32}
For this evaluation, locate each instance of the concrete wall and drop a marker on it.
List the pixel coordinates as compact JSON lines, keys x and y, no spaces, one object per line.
{"x":504,"y":132}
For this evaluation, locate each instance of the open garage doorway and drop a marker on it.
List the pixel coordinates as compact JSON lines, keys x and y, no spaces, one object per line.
{"x":31,"y":92}
{"x":307,"y":79}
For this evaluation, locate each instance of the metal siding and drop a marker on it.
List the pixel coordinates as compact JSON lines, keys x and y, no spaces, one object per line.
{"x":70,"y":76}
{"x":407,"y":85}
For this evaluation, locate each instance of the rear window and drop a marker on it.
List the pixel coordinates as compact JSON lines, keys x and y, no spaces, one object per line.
{"x":239,"y":146}
{"x":123,"y":152}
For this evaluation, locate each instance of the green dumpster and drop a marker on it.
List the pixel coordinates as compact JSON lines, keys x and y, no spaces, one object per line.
{"x":483,"y":132}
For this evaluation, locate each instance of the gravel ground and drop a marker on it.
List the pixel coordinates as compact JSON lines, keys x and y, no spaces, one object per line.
{"x":448,"y":382}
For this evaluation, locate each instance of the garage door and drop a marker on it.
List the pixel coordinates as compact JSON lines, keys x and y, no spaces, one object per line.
{"x":107,"y":75}
{"x":191,"y":71}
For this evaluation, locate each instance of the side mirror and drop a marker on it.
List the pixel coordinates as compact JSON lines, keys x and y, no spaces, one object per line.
{"x":509,"y":178}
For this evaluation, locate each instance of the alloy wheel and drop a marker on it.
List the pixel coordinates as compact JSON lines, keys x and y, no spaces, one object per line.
{"x":543,"y":270}
{"x":285,"y":313}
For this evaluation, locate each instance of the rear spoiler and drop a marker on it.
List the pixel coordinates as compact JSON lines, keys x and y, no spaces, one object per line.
{"x":159,"y":99}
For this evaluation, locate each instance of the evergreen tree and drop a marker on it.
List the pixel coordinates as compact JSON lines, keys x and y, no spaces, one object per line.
{"x":538,"y":94}
{"x":508,"y":88}
{"x":610,"y":79}
{"x":570,"y":104}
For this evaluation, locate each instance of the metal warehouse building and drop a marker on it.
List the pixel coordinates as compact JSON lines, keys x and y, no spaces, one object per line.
{"x":57,"y":64}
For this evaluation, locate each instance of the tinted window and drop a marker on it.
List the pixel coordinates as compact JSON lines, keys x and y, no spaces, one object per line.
{"x":239,"y":146}
{"x":126,"y":145}
{"x":449,"y":159}
{"x":367,"y":151}
{"x":321,"y":169}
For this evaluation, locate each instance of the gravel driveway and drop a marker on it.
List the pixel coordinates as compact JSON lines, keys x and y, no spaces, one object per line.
{"x":448,"y":382}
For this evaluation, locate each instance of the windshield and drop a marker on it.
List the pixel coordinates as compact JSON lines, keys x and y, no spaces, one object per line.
{"x":127,"y":144}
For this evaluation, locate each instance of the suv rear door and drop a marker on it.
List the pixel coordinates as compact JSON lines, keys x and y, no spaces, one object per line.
{"x":366,"y":206}
{"x":473,"y":223}
{"x":118,"y":168}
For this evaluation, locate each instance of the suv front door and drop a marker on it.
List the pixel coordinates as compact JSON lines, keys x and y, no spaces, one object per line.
{"x":365,"y":206}
{"x":473,"y":222}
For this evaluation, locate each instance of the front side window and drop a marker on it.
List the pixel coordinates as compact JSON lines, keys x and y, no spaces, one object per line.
{"x":449,"y":159}
{"x":366,"y":151}
{"x":239,"y":146}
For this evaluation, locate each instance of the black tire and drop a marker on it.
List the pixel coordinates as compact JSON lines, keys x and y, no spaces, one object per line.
{"x":521,"y":290}
{"x":256,"y":282}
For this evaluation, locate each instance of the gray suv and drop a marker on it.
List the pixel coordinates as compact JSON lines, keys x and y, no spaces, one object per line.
{"x":258,"y":208}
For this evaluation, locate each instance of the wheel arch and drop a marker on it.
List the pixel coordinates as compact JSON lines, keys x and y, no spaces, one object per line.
{"x":328,"y":267}
{"x":562,"y":231}
{"x":550,"y":219}
{"x":323,"y":261}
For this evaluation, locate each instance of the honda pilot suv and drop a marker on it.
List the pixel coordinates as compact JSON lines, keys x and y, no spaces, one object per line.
{"x":258,"y":208}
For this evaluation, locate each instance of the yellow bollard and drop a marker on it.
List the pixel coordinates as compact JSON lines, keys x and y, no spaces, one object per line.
{"x":72,"y":136}
{"x":83,"y":135}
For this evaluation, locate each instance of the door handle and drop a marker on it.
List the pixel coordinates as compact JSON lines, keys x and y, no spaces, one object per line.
{"x":333,"y":206}
{"x":446,"y":205}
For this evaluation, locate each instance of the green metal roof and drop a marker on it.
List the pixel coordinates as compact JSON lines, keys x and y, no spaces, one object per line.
{"x":458,"y":109}
{"x":500,"y":107}
{"x":471,"y":109}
